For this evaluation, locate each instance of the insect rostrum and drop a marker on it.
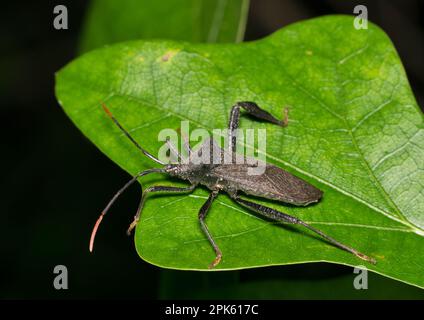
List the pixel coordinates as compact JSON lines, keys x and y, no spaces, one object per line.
{"x":232,"y":178}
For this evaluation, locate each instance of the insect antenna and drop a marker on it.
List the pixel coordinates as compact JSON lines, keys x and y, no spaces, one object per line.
{"x":146,"y":153}
{"x":120,"y":191}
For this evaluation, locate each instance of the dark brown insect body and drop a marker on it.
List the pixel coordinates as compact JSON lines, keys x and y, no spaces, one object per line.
{"x":274,"y":183}
{"x":232,"y":177}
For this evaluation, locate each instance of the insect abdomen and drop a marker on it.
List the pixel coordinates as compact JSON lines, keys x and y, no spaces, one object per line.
{"x":274,"y":183}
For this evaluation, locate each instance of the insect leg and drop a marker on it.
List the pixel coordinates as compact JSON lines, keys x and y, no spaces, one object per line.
{"x":174,"y":151}
{"x":156,"y":189}
{"x":254,"y":110}
{"x":202,"y":215}
{"x":279,"y":216}
{"x":111,"y":202}
{"x":186,"y":143}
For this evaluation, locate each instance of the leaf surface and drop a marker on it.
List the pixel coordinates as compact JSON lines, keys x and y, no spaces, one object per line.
{"x":110,"y":21}
{"x":355,"y":131}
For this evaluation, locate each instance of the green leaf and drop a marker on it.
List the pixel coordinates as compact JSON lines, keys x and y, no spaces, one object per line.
{"x":355,"y":132}
{"x":110,"y":21}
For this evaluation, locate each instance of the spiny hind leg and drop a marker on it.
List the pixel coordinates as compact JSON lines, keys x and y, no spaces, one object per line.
{"x":254,"y":110}
{"x":283,"y":217}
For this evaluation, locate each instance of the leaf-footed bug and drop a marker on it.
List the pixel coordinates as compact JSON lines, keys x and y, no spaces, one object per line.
{"x":232,"y":178}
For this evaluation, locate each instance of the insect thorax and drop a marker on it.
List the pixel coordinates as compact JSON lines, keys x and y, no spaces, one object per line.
{"x":195,"y":173}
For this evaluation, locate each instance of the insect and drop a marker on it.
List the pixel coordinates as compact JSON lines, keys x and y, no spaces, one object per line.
{"x":231,"y":178}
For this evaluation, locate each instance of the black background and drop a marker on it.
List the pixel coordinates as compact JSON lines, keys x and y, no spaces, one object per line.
{"x":54,"y":181}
